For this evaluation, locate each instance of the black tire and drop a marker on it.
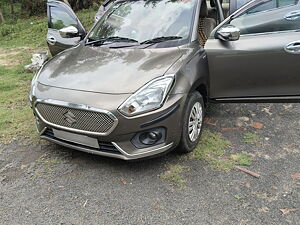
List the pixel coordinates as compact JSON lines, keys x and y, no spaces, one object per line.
{"x":186,"y":145}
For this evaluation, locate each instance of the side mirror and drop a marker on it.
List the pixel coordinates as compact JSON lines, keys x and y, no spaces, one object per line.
{"x":228,"y":33}
{"x":69,"y":32}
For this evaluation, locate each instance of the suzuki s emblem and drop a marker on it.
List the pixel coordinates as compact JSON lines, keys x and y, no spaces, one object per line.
{"x":70,"y":118}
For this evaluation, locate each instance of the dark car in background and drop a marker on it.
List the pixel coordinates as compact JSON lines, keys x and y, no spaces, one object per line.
{"x":137,"y":84}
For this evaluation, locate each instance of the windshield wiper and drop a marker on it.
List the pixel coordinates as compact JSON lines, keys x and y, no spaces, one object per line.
{"x":101,"y":41}
{"x":160,"y":39}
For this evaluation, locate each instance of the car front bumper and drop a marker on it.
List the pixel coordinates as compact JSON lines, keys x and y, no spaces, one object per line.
{"x":117,"y":142}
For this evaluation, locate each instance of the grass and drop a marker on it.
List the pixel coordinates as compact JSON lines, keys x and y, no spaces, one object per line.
{"x":241,"y":159}
{"x":250,"y":138}
{"x":174,"y":175}
{"x":48,"y":162}
{"x":31,"y":32}
{"x":22,"y":39}
{"x":238,"y":197}
{"x":212,"y":149}
{"x":26,"y":32}
{"x":16,"y":118}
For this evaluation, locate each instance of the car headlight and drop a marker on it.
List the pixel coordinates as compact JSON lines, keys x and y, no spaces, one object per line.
{"x":149,"y":97}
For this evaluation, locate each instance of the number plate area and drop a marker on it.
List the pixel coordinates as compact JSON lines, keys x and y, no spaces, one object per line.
{"x":76,"y":138}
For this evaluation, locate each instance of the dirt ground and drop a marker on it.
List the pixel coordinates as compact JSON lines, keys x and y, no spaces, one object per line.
{"x":44,"y":183}
{"x":8,"y":57}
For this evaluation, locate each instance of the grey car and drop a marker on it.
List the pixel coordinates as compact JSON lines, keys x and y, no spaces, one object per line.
{"x":137,"y":84}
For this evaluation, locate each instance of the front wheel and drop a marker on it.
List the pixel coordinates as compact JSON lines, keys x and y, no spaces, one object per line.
{"x":192,"y":123}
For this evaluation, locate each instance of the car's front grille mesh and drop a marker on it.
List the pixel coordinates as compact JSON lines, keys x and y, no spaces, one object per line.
{"x":97,"y":122}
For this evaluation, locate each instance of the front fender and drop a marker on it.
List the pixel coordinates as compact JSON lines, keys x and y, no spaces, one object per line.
{"x":192,"y":74}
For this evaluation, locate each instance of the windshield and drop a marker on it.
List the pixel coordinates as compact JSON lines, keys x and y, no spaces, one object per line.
{"x":146,"y":20}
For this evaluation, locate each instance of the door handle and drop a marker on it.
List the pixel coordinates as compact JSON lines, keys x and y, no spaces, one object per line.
{"x":51,"y":40}
{"x":293,"y":48}
{"x":294,"y":15}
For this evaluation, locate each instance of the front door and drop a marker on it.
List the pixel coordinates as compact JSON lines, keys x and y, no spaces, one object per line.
{"x":264,"y":63}
{"x":60,"y":16}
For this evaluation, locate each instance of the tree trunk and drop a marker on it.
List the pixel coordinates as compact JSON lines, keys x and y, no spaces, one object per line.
{"x":1,"y":17}
{"x":12,"y":11}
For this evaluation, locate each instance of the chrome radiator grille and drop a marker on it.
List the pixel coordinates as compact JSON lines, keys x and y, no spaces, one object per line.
{"x":72,"y":118}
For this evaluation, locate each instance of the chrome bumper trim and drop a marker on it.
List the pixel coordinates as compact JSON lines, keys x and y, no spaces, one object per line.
{"x":145,"y":153}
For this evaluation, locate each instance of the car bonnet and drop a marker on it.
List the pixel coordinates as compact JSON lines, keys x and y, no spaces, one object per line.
{"x":105,"y":70}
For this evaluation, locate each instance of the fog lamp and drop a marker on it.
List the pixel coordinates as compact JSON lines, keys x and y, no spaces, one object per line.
{"x":149,"y":138}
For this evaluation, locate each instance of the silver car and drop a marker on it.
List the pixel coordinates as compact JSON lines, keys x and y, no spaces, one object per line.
{"x":137,"y":84}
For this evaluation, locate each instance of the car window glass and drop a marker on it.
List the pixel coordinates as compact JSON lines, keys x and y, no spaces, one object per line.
{"x":273,"y":4}
{"x":60,"y":19}
{"x":268,"y":17}
{"x":144,"y":20}
{"x":240,"y":3}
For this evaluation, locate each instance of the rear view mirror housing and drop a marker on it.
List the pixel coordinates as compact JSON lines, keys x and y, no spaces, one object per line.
{"x":228,"y":33}
{"x":69,"y":32}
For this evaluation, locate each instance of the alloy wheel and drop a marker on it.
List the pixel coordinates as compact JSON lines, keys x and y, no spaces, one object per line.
{"x":195,"y":121}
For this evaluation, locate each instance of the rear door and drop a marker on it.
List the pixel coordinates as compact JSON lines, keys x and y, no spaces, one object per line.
{"x":60,"y":15}
{"x":263,"y":65}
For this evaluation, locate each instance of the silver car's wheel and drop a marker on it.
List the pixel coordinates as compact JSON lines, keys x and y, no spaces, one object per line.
{"x":195,"y":121}
{"x":192,"y":123}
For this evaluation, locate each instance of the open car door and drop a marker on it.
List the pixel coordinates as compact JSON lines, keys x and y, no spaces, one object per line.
{"x":254,"y":54}
{"x":64,"y":28}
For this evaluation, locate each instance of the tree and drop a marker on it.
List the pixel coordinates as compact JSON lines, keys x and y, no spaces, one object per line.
{"x":30,"y":8}
{"x":8,"y":8}
{"x":1,"y":17}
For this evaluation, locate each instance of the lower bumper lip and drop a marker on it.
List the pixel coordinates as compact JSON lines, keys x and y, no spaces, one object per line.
{"x":121,"y":154}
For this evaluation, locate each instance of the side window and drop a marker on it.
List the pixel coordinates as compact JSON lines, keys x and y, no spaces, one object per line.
{"x":273,"y":4}
{"x":60,"y":19}
{"x":240,"y":3}
{"x":268,"y":17}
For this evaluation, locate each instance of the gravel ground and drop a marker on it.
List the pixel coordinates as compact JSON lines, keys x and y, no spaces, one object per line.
{"x":47,"y":184}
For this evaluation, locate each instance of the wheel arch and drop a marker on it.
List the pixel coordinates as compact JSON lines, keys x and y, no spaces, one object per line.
{"x":202,"y":88}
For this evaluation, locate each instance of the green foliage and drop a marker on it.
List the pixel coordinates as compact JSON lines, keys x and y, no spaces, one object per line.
{"x":238,"y":197}
{"x":16,"y":9}
{"x":27,"y":32}
{"x":174,"y":175}
{"x":15,"y":114}
{"x":212,"y":149}
{"x":241,"y":159}
{"x":32,"y":32}
{"x":250,"y":138}
{"x":87,"y":18}
{"x":96,"y":5}
{"x":16,"y":117}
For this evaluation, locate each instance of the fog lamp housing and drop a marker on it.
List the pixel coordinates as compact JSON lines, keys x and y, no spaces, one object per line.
{"x":149,"y":138}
